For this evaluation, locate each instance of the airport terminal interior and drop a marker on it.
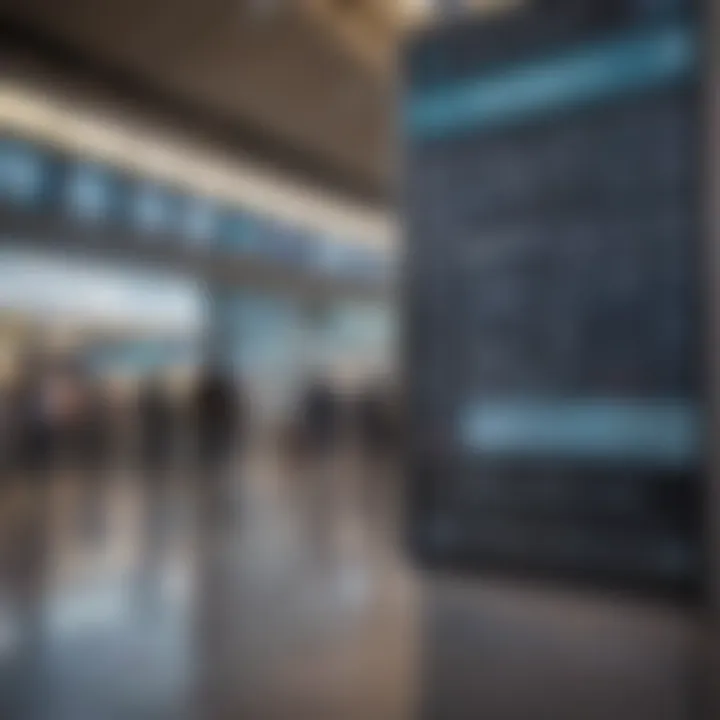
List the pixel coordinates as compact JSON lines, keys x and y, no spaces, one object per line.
{"x":207,"y":192}
{"x":204,"y":494}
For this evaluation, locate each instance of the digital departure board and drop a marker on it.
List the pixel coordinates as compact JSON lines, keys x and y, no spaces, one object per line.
{"x":553,"y":349}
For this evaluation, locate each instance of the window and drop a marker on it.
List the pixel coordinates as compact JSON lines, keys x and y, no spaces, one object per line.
{"x":199,"y":219}
{"x":89,"y":192}
{"x":152,"y":211}
{"x":23,"y":173}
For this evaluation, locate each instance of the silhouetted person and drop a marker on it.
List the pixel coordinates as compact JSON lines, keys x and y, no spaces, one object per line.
{"x":6,"y":424}
{"x":157,"y":428}
{"x":35,"y":436}
{"x":28,"y":536}
{"x":218,"y":415}
{"x":217,"y":409}
{"x":377,"y":432}
{"x":218,"y":422}
{"x":157,"y":440}
{"x":320,"y":418}
{"x":93,"y":446}
{"x":374,"y":422}
{"x":320,"y":489}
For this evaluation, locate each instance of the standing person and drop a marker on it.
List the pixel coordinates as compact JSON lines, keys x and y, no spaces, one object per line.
{"x":374,"y":422}
{"x":218,"y":422}
{"x":376,"y":429}
{"x":34,"y":439}
{"x":157,"y":429}
{"x":320,"y":418}
{"x":157,"y":442}
{"x":28,"y":540}
{"x":93,"y":444}
{"x":218,"y":411}
{"x":321,"y":490}
{"x":6,"y":423}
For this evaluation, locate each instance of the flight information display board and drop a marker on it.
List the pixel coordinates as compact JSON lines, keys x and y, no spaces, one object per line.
{"x":553,"y":356}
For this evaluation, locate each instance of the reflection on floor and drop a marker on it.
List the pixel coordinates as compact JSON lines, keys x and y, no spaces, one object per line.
{"x":281,"y":595}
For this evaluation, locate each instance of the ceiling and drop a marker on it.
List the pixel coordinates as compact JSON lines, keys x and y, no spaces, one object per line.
{"x":265,"y":76}
{"x":304,"y":85}
{"x":370,"y":28}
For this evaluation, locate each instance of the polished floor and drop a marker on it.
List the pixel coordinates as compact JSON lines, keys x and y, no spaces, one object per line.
{"x":283,"y":593}
{"x":278,"y":594}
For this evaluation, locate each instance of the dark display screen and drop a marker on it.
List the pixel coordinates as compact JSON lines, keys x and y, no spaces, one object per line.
{"x":553,"y":308}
